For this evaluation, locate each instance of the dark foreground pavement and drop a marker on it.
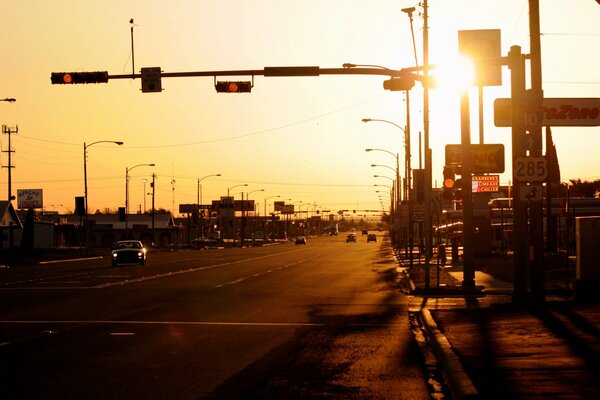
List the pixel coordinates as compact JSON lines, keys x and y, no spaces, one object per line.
{"x":492,"y":348}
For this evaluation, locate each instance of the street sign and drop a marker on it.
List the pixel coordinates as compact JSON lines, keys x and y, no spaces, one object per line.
{"x":530,"y":169}
{"x":292,"y":71}
{"x":485,"y":158}
{"x":558,"y":111}
{"x":530,"y":192}
{"x":151,"y":81}
{"x":485,"y":183}
{"x":528,"y":142}
{"x":533,"y":113}
{"x":481,"y":44}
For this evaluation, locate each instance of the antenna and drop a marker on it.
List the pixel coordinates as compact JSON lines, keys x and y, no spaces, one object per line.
{"x":132,"y":51}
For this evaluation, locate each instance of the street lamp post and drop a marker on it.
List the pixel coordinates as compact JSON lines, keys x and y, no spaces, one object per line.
{"x":254,"y":219}
{"x":199,"y":202}
{"x":85,"y":187}
{"x":127,"y":169}
{"x":265,"y":209}
{"x":229,"y":188}
{"x":397,"y":198}
{"x":232,"y":216}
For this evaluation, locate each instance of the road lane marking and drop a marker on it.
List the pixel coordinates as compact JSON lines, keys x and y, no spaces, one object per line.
{"x":122,"y":334}
{"x":242,"y":279}
{"x":194,"y":323}
{"x":186,"y":271}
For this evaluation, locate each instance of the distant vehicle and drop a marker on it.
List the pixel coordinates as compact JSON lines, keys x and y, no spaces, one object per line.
{"x":364,"y":232}
{"x":351,"y":237}
{"x":371,"y":237}
{"x":128,"y":251}
{"x":300,"y":240}
{"x":332,"y":229}
{"x":204,"y":241}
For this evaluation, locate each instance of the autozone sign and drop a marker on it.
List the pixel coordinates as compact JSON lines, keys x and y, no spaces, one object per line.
{"x":485,"y":158}
{"x":557,"y":111}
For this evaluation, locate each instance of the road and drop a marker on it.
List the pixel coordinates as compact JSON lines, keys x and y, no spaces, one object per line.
{"x":292,"y":322}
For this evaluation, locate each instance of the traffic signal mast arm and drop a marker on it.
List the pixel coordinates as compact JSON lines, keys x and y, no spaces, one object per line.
{"x":278,"y":71}
{"x":267,"y":71}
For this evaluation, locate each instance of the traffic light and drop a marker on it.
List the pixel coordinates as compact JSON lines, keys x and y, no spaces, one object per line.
{"x":448,"y":184}
{"x":398,"y":84}
{"x":233,"y":87}
{"x":68,"y":78}
{"x":151,"y":80}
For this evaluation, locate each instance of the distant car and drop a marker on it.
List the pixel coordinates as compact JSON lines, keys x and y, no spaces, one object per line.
{"x":351,"y":237}
{"x":300,"y":240}
{"x":128,"y":251}
{"x":371,"y":237}
{"x":364,"y":232}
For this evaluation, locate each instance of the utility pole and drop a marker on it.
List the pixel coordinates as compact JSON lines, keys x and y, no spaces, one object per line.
{"x":9,"y":131}
{"x":427,"y":195}
{"x":153,"y":208}
{"x":537,"y":212}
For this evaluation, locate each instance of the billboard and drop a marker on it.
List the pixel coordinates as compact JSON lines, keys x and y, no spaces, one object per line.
{"x":479,"y":45}
{"x":485,"y":158}
{"x":558,"y":111}
{"x":485,"y":183}
{"x":278,"y":205}
{"x":30,"y":198}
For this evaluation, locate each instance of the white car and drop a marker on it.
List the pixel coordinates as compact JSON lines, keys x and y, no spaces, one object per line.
{"x":128,"y":251}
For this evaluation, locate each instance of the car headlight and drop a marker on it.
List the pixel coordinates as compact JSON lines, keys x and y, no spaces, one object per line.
{"x":114,"y":255}
{"x":140,"y":254}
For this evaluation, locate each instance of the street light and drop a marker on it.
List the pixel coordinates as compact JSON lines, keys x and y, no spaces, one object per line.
{"x":9,"y":99}
{"x":127,"y":169}
{"x":253,"y":191}
{"x":144,"y":193}
{"x":267,"y":198}
{"x":200,"y":187}
{"x":407,"y":154}
{"x":407,"y":158}
{"x":199,"y":201}
{"x":228,"y":189}
{"x":85,"y":189}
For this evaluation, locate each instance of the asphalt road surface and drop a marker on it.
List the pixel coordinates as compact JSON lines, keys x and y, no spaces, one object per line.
{"x":322,"y":320}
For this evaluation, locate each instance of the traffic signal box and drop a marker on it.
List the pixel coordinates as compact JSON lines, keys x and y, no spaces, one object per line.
{"x":399,"y":84}
{"x":449,"y":183}
{"x":69,"y":78}
{"x":233,"y":87}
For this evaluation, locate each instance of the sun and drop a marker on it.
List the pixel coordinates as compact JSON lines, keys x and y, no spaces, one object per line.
{"x":455,"y":74}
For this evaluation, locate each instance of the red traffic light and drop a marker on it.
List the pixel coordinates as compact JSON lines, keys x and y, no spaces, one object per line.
{"x":233,"y":87}
{"x":58,"y":78}
{"x":449,"y":178}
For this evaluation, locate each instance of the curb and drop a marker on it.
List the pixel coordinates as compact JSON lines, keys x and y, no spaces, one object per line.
{"x":459,"y":383}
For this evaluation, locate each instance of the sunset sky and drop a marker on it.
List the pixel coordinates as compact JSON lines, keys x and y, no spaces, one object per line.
{"x":300,"y":137}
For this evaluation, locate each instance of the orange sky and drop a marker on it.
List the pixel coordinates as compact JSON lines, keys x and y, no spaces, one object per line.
{"x":299,"y":138}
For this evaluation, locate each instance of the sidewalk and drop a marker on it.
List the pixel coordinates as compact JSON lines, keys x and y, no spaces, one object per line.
{"x":493,"y":348}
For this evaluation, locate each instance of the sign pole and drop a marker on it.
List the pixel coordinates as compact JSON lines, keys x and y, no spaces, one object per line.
{"x":468,"y":227}
{"x":520,"y":261}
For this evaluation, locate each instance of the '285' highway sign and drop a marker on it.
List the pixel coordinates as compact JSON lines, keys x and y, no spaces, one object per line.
{"x":557,"y":111}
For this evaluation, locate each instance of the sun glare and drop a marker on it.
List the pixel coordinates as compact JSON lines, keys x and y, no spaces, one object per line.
{"x":455,"y":74}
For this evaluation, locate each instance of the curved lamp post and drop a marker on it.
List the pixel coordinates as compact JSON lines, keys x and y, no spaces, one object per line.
{"x":85,"y":147}
{"x":85,"y":186}
{"x":199,"y":201}
{"x":229,"y":188}
{"x":127,"y":169}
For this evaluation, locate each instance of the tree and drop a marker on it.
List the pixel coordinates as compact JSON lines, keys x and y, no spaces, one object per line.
{"x":579,"y":188}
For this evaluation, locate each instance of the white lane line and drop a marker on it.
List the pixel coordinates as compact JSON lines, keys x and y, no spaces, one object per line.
{"x":242,"y":279}
{"x":122,"y":334}
{"x":163,"y":323}
{"x":186,"y":271}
